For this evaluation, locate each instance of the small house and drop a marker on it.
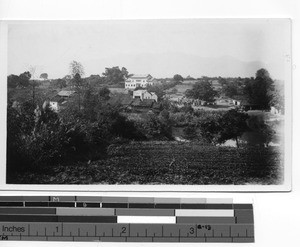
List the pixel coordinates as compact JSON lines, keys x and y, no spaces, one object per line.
{"x":144,"y":94}
{"x":60,"y":99}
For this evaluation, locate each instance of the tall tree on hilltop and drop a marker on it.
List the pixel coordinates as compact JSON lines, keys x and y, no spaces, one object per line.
{"x":24,"y":79}
{"x":177,"y":78}
{"x":115,"y":75}
{"x":259,"y":90}
{"x":76,"y":68}
{"x":44,"y":76}
{"x":78,"y":85}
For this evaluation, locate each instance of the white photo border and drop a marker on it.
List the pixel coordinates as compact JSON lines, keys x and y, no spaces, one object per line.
{"x":286,"y":186}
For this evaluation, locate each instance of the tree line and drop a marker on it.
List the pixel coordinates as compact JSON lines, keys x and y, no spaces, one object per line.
{"x":259,"y":91}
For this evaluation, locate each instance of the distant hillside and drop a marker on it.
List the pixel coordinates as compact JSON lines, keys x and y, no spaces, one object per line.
{"x":168,"y":64}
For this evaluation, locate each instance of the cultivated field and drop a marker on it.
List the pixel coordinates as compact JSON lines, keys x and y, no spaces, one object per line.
{"x":167,"y":163}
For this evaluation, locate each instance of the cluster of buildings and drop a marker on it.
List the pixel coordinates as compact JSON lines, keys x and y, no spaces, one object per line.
{"x":136,"y":83}
{"x":136,"y":96}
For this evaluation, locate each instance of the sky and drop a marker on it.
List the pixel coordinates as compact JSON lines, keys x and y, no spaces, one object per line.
{"x":196,"y":47}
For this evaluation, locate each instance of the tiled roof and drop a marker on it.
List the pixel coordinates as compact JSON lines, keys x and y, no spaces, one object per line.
{"x":145,"y":76}
{"x":57,"y":99}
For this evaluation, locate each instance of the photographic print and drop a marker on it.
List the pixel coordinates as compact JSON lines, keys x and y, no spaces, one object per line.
{"x":149,"y":102}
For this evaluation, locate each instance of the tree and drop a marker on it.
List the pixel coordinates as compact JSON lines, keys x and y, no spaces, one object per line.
{"x":104,"y":93}
{"x":203,"y":91}
{"x":233,"y":124}
{"x":24,"y":79}
{"x":33,"y":85}
{"x":60,"y":83}
{"x":32,"y":70}
{"x":89,"y":103}
{"x":67,"y":77}
{"x":44,"y":76}
{"x":177,"y":78}
{"x":157,"y":89}
{"x":278,"y":99}
{"x":190,"y":132}
{"x":230,"y":89}
{"x":13,"y":81}
{"x":259,"y":90}
{"x":217,"y":129}
{"x":76,"y":68}
{"x":115,"y":75}
{"x":78,"y":84}
{"x":94,"y":80}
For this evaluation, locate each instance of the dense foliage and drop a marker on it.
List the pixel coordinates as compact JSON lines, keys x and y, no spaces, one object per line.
{"x":202,"y":91}
{"x":90,"y":127}
{"x":115,"y":75}
{"x":259,"y":90}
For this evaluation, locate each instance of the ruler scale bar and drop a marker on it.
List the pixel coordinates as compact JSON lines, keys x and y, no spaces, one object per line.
{"x":125,"y":219}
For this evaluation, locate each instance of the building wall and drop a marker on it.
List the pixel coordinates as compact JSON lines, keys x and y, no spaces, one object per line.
{"x":132,"y":83}
{"x":54,"y":106}
{"x":143,"y":94}
{"x":236,"y":102}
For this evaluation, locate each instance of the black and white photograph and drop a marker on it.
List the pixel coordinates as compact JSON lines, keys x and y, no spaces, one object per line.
{"x":148,"y":102}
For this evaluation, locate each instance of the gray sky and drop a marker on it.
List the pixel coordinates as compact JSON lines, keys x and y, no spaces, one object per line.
{"x":215,"y":47}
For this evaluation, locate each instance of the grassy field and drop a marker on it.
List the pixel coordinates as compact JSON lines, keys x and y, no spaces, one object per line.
{"x":167,"y":163}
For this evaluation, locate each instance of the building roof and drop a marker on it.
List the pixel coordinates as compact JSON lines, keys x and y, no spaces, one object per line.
{"x":57,"y":99}
{"x":65,"y":93}
{"x":143,"y":76}
{"x":152,"y":79}
{"x":152,"y":93}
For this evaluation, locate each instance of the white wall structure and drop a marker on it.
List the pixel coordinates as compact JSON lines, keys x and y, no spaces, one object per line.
{"x":143,"y":81}
{"x":144,"y":94}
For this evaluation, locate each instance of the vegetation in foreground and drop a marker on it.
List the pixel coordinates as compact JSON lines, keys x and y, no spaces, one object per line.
{"x":159,"y":162}
{"x":92,"y":140}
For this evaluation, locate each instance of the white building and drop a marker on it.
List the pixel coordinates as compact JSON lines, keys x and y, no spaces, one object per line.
{"x":143,"y":81}
{"x":144,"y":94}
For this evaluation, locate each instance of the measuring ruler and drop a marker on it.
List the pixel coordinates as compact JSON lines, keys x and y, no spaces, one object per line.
{"x":125,"y":219}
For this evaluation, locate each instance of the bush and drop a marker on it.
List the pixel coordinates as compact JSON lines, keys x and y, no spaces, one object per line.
{"x":154,"y":128}
{"x":190,"y":133}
